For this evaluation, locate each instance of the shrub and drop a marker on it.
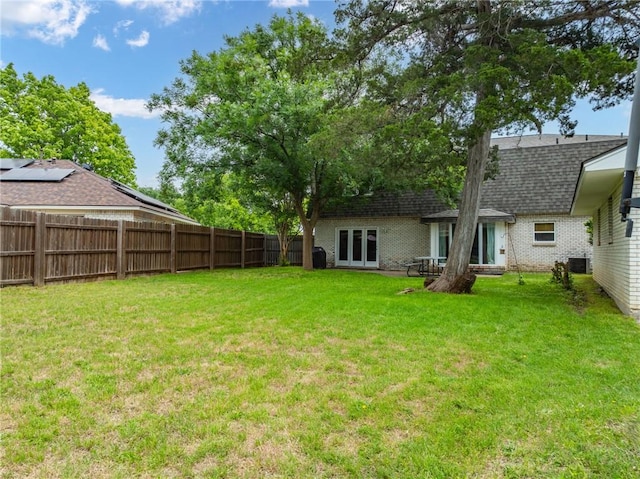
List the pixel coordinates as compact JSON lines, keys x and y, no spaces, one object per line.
{"x":560,"y":274}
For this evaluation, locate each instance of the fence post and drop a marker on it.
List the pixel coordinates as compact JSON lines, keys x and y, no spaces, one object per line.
{"x":264,"y":248}
{"x":39,"y":257}
{"x":212,"y":248}
{"x":243,"y":249}
{"x":174,"y":255}
{"x":121,"y":268}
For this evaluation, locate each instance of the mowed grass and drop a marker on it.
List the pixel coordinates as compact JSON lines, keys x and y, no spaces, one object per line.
{"x":284,"y":373}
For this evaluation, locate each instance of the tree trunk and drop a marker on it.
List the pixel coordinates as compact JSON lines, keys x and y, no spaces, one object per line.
{"x":307,"y":246}
{"x":308,"y":224}
{"x":456,"y":278}
{"x":283,"y":240}
{"x":284,"y":253}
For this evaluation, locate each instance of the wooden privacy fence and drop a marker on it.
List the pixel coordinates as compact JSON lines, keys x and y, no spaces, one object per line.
{"x":37,"y":248}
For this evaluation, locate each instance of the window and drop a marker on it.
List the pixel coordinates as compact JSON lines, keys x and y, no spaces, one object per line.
{"x":443,"y":239}
{"x":599,"y":228}
{"x":544,"y":233}
{"x":484,"y":243}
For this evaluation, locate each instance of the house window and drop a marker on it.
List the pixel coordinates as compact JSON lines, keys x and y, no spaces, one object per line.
{"x":357,"y":247}
{"x":544,"y":233}
{"x":599,"y":227}
{"x":444,"y":230}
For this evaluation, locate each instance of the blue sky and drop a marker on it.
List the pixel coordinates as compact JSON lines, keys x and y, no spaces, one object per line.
{"x":125,"y":50}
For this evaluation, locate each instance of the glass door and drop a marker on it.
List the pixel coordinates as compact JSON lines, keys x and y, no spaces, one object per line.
{"x":483,"y":251}
{"x":357,"y":247}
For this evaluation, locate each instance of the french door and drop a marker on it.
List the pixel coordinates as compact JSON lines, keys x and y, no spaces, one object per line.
{"x":357,"y":247}
{"x":485,"y":250}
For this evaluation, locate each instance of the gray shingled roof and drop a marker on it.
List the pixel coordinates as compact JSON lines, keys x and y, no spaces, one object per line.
{"x":531,"y":180}
{"x":408,"y":204}
{"x":538,"y":180}
{"x":546,"y":139}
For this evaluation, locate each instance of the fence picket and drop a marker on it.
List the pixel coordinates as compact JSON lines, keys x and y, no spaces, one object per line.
{"x":38,"y":248}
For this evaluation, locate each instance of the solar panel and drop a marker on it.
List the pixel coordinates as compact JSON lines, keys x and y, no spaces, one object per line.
{"x":11,"y":163}
{"x":142,"y":197}
{"x":36,"y":174}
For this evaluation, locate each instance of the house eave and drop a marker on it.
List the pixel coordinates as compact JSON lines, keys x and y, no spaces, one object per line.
{"x":78,"y":209}
{"x":484,"y":216}
{"x":593,"y":190}
{"x":598,"y":178}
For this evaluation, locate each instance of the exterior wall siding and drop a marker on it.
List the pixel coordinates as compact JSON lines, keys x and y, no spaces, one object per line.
{"x":111,"y":215}
{"x":571,"y":241}
{"x":400,"y":238}
{"x":107,"y":214}
{"x":403,"y":238}
{"x":616,"y":259}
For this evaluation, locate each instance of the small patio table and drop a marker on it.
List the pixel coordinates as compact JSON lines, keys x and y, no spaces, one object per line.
{"x":427,"y":265}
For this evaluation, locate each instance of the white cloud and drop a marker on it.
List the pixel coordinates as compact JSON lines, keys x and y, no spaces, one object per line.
{"x":134,"y":108}
{"x":101,"y":42}
{"x":170,"y":10}
{"x":122,"y":25}
{"x":141,"y":41}
{"x":51,"y":21}
{"x":288,"y":3}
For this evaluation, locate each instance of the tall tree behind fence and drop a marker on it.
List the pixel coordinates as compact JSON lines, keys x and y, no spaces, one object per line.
{"x":36,"y":248}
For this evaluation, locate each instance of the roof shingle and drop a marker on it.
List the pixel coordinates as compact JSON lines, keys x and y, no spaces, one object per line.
{"x":542,"y":179}
{"x":82,"y":188}
{"x":531,"y":180}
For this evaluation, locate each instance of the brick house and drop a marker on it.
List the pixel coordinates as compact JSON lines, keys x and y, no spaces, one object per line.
{"x":616,"y":258}
{"x":524,"y":220}
{"x":62,"y":187}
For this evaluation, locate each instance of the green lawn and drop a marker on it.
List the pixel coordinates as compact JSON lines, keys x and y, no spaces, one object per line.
{"x":284,"y":373}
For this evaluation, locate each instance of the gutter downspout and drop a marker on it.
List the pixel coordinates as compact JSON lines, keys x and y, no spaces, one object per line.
{"x":631,"y":161}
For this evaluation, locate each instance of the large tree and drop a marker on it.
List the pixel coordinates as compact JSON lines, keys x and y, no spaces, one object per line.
{"x":480,"y":66}
{"x":253,"y":108}
{"x":41,"y":119}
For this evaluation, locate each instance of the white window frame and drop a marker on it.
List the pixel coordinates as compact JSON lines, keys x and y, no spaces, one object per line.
{"x":544,"y":241}
{"x":349,"y":262}
{"x":500,"y":234}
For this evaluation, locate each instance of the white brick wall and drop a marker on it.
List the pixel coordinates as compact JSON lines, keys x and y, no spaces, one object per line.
{"x":616,"y":259}
{"x":400,"y":239}
{"x":111,"y":215}
{"x":572,"y":241}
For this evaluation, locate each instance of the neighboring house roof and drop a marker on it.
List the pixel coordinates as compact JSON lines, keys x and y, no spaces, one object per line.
{"x":536,"y":176}
{"x":599,"y":176}
{"x":83,"y":189}
{"x":540,"y":180}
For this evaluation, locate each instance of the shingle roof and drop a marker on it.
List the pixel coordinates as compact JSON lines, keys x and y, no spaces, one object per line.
{"x":537,"y":180}
{"x":83,"y":188}
{"x":546,"y":139}
{"x":408,"y":204}
{"x":531,"y":180}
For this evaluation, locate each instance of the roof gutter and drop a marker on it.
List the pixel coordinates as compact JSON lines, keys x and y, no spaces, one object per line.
{"x":631,"y":161}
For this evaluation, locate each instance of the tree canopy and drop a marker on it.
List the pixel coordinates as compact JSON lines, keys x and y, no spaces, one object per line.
{"x":475,"y":67}
{"x":253,"y":108}
{"x":41,"y":119}
{"x":222,"y":201}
